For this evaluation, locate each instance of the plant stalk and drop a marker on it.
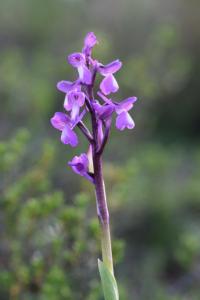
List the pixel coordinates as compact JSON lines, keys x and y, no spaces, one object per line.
{"x":103,"y":213}
{"x":102,"y":208}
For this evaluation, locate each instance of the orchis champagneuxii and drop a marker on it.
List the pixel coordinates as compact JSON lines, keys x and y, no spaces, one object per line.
{"x":80,"y":101}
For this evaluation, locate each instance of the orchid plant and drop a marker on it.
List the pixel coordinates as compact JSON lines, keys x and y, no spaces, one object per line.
{"x":81,"y":100}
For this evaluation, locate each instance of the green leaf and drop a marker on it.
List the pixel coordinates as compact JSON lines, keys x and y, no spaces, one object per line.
{"x":108,"y":281}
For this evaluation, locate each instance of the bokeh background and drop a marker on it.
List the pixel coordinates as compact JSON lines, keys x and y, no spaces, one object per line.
{"x":49,"y":240}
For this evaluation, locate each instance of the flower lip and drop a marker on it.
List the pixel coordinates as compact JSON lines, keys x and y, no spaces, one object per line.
{"x":68,"y":136}
{"x":124,"y":120}
{"x":109,"y":85}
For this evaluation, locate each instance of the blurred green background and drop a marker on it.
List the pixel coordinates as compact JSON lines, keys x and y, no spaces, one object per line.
{"x":49,"y":240}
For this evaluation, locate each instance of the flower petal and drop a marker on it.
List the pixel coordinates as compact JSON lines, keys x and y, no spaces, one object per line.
{"x":104,"y":111}
{"x":75,"y":111}
{"x":76,"y":59}
{"x":65,"y":86}
{"x":78,"y":118}
{"x":67,"y":104}
{"x":59,"y":120}
{"x":84,"y":74}
{"x":126,"y":104}
{"x":109,"y":85}
{"x":110,"y":68}
{"x":68,"y":136}
{"x":78,"y":97}
{"x":124,"y":120}
{"x":79,"y":164}
{"x":89,"y":42}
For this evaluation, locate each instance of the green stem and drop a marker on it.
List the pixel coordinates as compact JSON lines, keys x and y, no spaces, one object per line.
{"x":106,"y":247}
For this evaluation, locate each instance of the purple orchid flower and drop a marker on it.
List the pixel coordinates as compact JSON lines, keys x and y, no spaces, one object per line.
{"x":78,"y":60}
{"x":80,"y":165}
{"x":63,"y":123}
{"x":124,"y":119}
{"x":109,"y":83}
{"x":73,"y":101}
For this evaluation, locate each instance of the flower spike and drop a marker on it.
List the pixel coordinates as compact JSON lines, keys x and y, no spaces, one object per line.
{"x":80,"y":101}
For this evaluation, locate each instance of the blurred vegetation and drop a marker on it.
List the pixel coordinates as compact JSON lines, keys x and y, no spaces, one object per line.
{"x":48,"y":246}
{"x":49,"y":240}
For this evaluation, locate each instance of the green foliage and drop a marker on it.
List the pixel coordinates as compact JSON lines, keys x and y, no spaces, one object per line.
{"x":10,"y":152}
{"x":49,"y":241}
{"x":156,"y":210}
{"x":153,"y":78}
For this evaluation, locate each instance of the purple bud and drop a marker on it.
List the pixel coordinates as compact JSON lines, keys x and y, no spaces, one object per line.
{"x":89,"y":42}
